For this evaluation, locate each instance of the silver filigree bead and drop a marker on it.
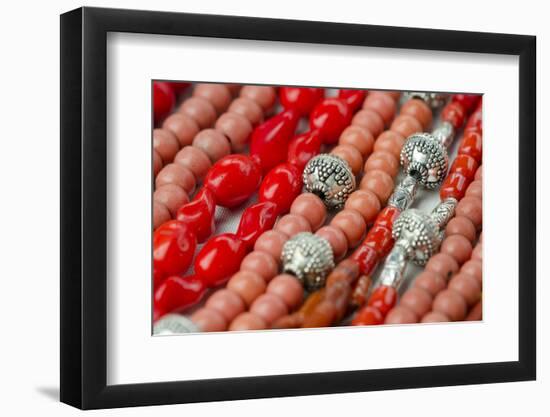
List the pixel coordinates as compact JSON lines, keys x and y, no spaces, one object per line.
{"x":174,"y":324}
{"x":309,"y":258}
{"x":424,"y":158}
{"x":419,"y":233}
{"x":331,"y":178}
{"x":434,"y":100}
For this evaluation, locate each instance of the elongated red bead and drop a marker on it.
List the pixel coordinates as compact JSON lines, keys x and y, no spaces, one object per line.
{"x":380,"y":239}
{"x":354,"y":98}
{"x":331,"y":116}
{"x":199,"y":214}
{"x":233,"y":179}
{"x":383,"y":298}
{"x":177,"y":293}
{"x":465,"y":165}
{"x":255,"y":220}
{"x":387,"y":216}
{"x":467,"y":101}
{"x":475,"y":122}
{"x":367,"y":257}
{"x":281,"y":186}
{"x":471,"y":145}
{"x":174,"y":245}
{"x":269,"y":142}
{"x":454,"y":113}
{"x":163,"y":100}
{"x":220,"y":258}
{"x":454,"y":186}
{"x":304,"y":147}
{"x":300,"y":99}
{"x":368,"y":316}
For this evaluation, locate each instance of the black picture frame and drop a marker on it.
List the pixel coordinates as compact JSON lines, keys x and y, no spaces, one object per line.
{"x":84,"y":207}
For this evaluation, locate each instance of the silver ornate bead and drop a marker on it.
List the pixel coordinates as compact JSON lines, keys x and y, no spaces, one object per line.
{"x":434,"y":100}
{"x":331,"y":178}
{"x":418,"y":233}
{"x":309,"y":258}
{"x":174,"y":324}
{"x":424,"y":158}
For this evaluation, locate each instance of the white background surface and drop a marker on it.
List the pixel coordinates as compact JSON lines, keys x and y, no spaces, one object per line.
{"x":133,"y":60}
{"x":30,"y":227}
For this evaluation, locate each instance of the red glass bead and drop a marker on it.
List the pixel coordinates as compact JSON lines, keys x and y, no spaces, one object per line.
{"x":465,"y":165}
{"x":383,"y":298}
{"x":354,"y":98}
{"x":220,"y":258}
{"x":454,"y":114}
{"x":163,"y":100}
{"x":255,"y":220}
{"x":367,"y":257}
{"x":331,"y":116}
{"x":304,"y":147}
{"x":199,"y":214}
{"x":467,"y":101}
{"x":281,"y":186}
{"x":177,"y":293}
{"x":158,"y":277}
{"x":387,"y":216}
{"x":300,"y":99}
{"x":475,"y":122}
{"x":471,"y":145}
{"x":233,"y":179}
{"x":380,"y":239}
{"x":179,"y":87}
{"x":174,"y":245}
{"x":368,"y":316}
{"x":270,"y":140}
{"x":454,"y":186}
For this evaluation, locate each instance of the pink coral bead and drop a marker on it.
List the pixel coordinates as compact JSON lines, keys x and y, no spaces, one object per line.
{"x":311,"y":207}
{"x":261,"y":263}
{"x":291,"y":224}
{"x":288,"y":289}
{"x":271,"y":242}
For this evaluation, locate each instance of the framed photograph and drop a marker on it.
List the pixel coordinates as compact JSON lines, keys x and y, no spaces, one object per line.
{"x":259,"y":208}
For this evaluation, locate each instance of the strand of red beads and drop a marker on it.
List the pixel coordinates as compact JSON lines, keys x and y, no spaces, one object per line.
{"x":204,"y":139}
{"x":266,"y":296}
{"x":380,"y":170}
{"x":443,"y":268}
{"x":276,"y":189}
{"x":221,"y":256}
{"x":384,"y":296}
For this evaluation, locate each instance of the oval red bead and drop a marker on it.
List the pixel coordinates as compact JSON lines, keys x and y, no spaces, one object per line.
{"x":199,"y":214}
{"x":300,"y":99}
{"x":304,"y":147}
{"x":331,"y":116}
{"x":233,"y":179}
{"x":354,"y":98}
{"x":383,"y":298}
{"x":177,"y":293}
{"x":281,"y":186}
{"x":174,"y":245}
{"x":255,"y":220}
{"x":471,"y":145}
{"x":269,"y":143}
{"x":163,"y":100}
{"x":220,"y":258}
{"x":454,"y":186}
{"x":475,"y":121}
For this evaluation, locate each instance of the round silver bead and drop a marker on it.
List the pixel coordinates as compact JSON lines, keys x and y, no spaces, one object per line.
{"x":434,"y":100}
{"x":419,"y":233}
{"x":424,"y":158}
{"x":331,"y":178}
{"x":174,"y":324}
{"x":309,"y":258}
